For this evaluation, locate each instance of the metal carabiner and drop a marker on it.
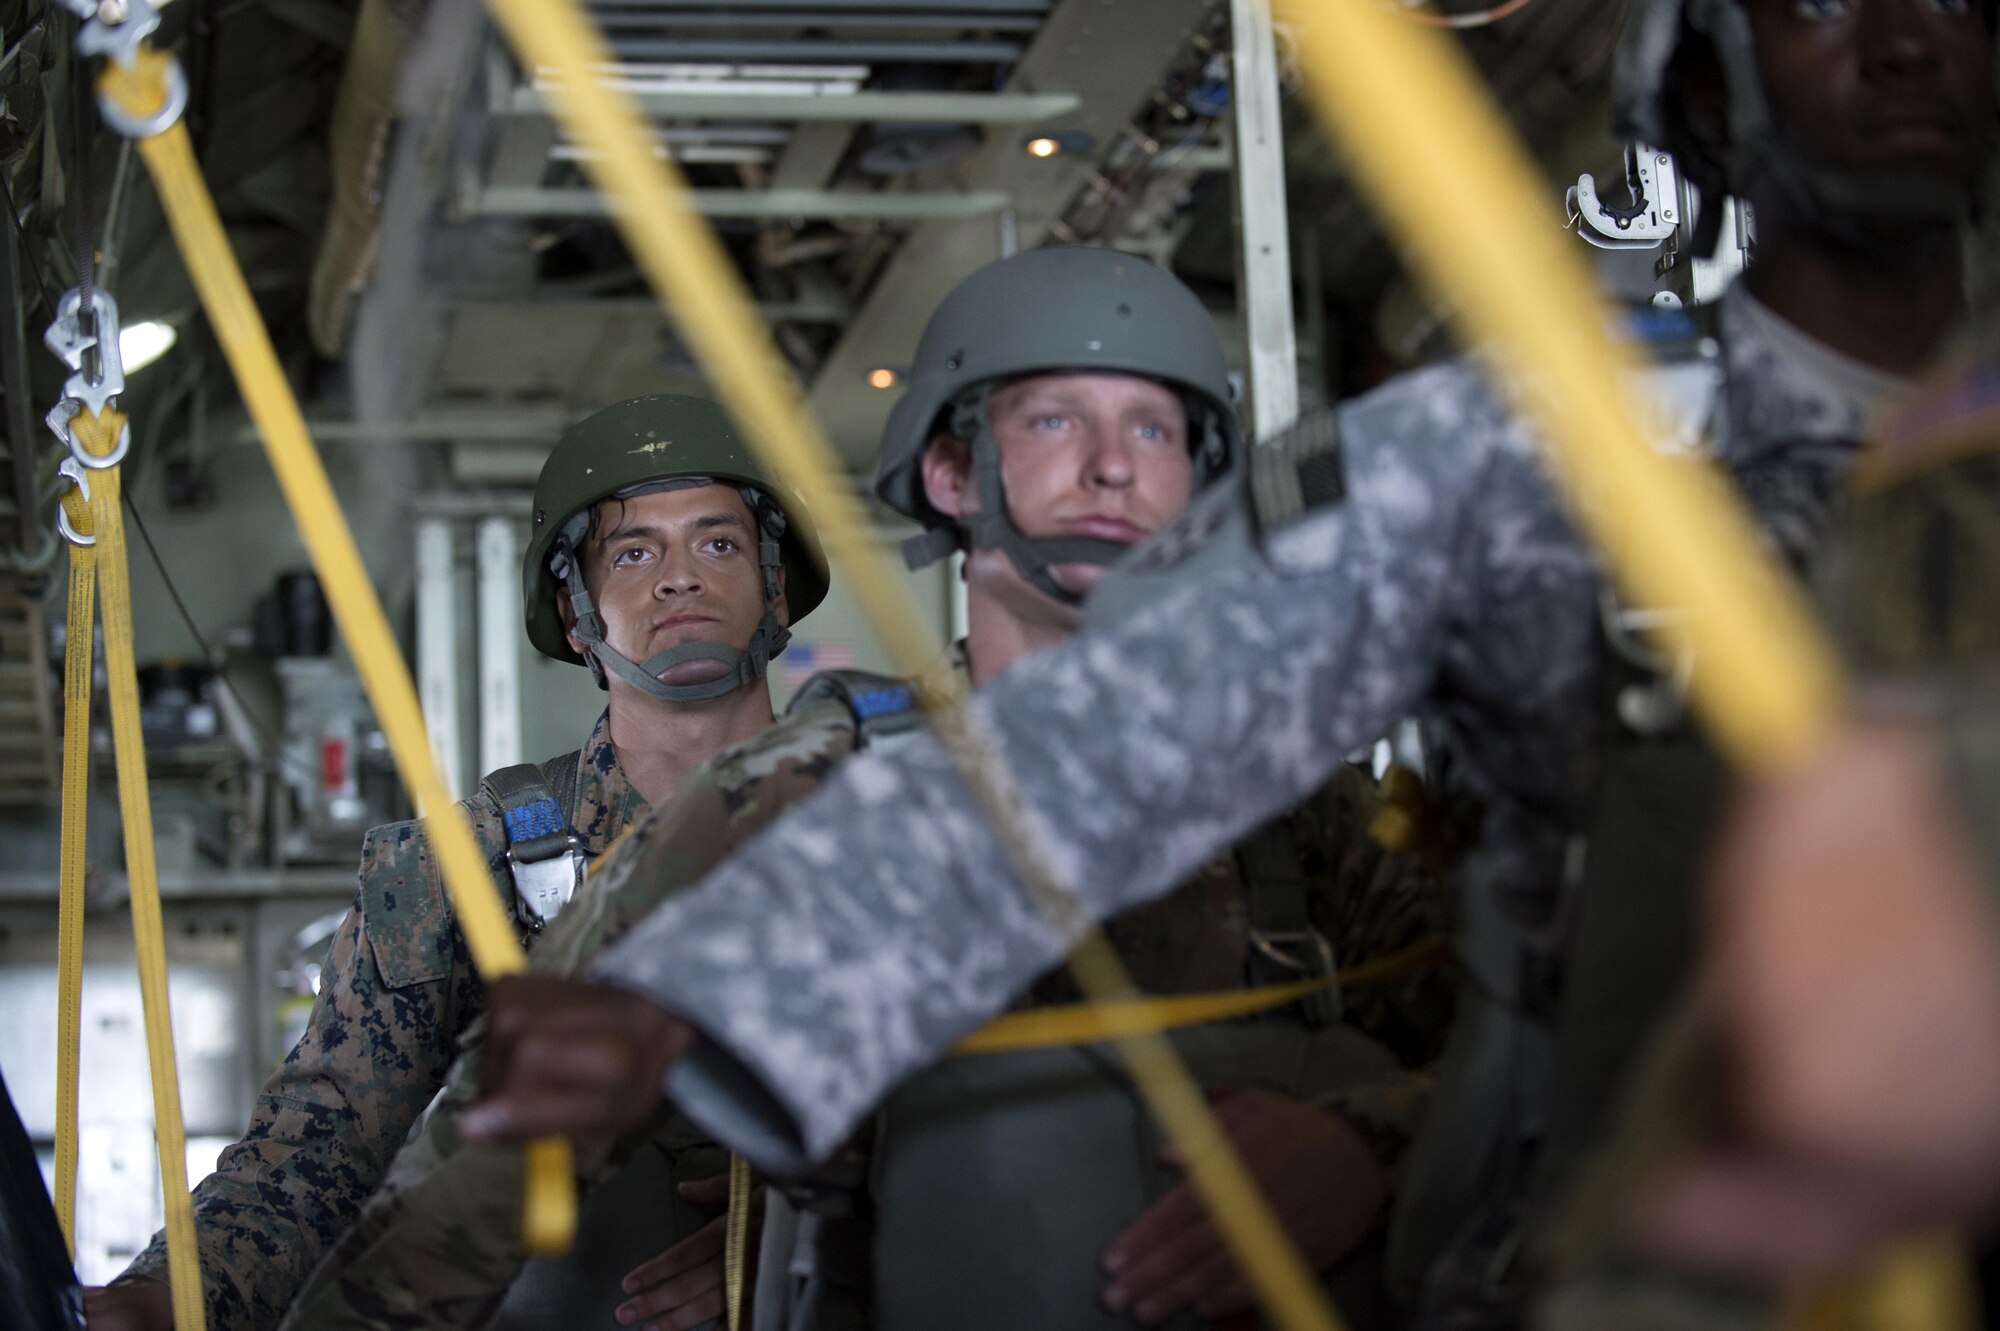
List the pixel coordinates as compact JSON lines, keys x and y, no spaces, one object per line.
{"x":60,"y":422}
{"x":113,"y":28}
{"x":67,"y":339}
{"x":78,"y":476}
{"x":144,"y":127}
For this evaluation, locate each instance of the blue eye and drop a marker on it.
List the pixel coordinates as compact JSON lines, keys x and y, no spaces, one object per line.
{"x":1051,"y":422}
{"x":1821,"y":10}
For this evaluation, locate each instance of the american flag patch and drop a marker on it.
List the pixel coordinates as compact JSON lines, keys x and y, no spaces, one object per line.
{"x":803,"y":660}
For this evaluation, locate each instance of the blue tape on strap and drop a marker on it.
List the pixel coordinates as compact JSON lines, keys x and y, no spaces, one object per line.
{"x":529,"y":821}
{"x":878,"y":703}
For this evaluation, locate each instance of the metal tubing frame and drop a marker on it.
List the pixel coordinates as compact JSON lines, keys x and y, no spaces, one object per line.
{"x":499,"y":636}
{"x":437,"y":647}
{"x":1264,"y":256}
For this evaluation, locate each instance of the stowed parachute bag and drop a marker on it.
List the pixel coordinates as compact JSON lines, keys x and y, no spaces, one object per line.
{"x":979,"y":1217}
{"x":38,"y":1288}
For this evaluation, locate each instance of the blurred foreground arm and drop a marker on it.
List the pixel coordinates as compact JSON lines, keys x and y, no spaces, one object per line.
{"x":1857,"y":975}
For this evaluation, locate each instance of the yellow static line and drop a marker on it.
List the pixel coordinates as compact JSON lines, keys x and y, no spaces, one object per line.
{"x":549,"y":1216}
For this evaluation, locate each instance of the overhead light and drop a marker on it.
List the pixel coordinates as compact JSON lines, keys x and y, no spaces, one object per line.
{"x":1054,"y":145}
{"x":883,"y":377}
{"x":140,"y":344}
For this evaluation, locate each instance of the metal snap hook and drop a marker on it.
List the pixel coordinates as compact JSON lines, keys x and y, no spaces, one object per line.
{"x":67,"y":339}
{"x":145,"y":127}
{"x":79,"y":476}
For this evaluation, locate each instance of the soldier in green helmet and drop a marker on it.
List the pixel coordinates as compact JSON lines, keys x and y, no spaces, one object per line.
{"x":1064,"y":405}
{"x":665,"y":559}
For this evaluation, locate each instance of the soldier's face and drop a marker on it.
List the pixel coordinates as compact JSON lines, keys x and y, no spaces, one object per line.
{"x":1881,"y":85}
{"x":1095,"y":455}
{"x":673,"y":567}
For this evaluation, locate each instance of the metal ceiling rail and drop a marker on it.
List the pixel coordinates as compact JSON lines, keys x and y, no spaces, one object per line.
{"x":817,"y":48}
{"x":477,"y":201}
{"x":954,"y":7}
{"x":615,"y":22}
{"x":971,"y":108}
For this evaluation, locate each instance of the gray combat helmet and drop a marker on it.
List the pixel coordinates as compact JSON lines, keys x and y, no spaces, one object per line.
{"x":1047,"y":311}
{"x":668,"y":442}
{"x":1645,"y":105}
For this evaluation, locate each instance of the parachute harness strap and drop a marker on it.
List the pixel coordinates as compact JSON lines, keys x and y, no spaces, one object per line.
{"x":140,"y":91}
{"x":746,"y":666}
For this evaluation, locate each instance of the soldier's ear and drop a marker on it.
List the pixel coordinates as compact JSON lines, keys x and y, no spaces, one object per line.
{"x":782,"y":608}
{"x":947,"y":470}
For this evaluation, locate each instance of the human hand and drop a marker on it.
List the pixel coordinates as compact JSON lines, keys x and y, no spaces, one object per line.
{"x":566,"y":1057}
{"x":1855,"y":969}
{"x":1311,"y":1167}
{"x":683,"y":1286}
{"x":135,"y":1304}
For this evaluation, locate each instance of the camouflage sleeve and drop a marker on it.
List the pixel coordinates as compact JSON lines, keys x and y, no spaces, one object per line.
{"x":851,"y":944}
{"x":439,"y":1244}
{"x":395,"y":991}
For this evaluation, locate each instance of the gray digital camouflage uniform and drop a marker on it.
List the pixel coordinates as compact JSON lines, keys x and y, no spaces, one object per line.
{"x":439,"y":1244}
{"x":848,"y":945}
{"x":397,"y":991}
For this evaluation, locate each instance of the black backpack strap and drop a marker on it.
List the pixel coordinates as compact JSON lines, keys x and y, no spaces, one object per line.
{"x":561,"y":776}
{"x":883,"y":706}
{"x":544,"y":853}
{"x":1284,"y":945}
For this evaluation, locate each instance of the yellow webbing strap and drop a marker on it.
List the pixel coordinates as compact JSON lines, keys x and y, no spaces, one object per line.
{"x":549,"y":1210}
{"x":687,"y":267}
{"x":736,"y":1240}
{"x":98,"y":434}
{"x":1416,"y":128}
{"x":1088,"y":1023}
{"x":77,"y":661}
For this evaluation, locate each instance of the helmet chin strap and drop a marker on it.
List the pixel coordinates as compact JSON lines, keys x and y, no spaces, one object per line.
{"x":744,"y":666}
{"x":994,"y":528}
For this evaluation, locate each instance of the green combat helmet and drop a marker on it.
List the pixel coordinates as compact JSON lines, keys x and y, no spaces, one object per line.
{"x":1047,"y":311}
{"x":669,"y":442}
{"x":1646,"y":106}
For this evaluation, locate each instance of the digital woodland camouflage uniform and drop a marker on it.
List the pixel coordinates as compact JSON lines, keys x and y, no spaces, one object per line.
{"x":439,"y":1243}
{"x":397,"y":991}
{"x":851,"y":944}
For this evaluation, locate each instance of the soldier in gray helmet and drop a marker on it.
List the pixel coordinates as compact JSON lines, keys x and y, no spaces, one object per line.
{"x":1225,"y":669}
{"x":1064,"y":404}
{"x":663,"y":557}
